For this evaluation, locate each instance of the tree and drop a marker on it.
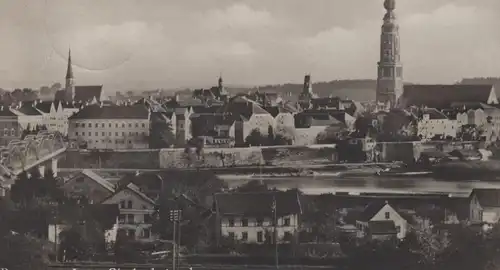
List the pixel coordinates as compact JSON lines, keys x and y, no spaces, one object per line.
{"x":161,"y":132}
{"x":270,"y":135}
{"x":253,"y":186}
{"x":191,"y":192}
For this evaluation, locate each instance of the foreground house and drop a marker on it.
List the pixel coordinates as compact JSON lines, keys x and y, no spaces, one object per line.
{"x":381,"y":220}
{"x":249,"y":217}
{"x":484,"y":206}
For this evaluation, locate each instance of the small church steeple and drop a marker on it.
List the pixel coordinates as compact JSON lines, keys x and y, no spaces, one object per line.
{"x":307,"y":94}
{"x":69,"y":87}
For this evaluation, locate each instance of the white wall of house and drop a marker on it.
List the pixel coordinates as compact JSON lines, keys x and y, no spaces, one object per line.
{"x":307,"y":136}
{"x":287,"y":225}
{"x":258,"y":121}
{"x":111,"y":133}
{"x":134,"y":214}
{"x":428,"y":128}
{"x":388,"y":213}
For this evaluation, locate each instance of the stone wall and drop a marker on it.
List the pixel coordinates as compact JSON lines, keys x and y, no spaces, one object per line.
{"x":147,"y":159}
{"x":211,"y":157}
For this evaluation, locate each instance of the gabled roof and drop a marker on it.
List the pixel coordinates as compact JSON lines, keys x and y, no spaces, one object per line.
{"x":434,"y":114}
{"x":371,"y":210}
{"x":86,"y":93}
{"x":93,"y":176}
{"x":6,"y":112}
{"x":382,"y":227}
{"x":44,"y":106}
{"x":257,"y":204}
{"x":137,"y":190}
{"x":28,"y":108}
{"x":112,"y":112}
{"x":442,"y":96}
{"x":487,"y":197}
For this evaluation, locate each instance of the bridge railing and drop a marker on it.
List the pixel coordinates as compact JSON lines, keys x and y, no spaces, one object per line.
{"x":20,"y":155}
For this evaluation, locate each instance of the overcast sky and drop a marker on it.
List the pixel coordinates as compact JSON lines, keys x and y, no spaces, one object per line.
{"x":147,"y":44}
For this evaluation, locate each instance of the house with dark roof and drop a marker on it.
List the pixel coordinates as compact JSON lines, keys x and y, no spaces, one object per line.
{"x":89,"y":184}
{"x":484,"y":206}
{"x":443,"y":96}
{"x":28,"y":115}
{"x":10,"y":129}
{"x":433,"y":123}
{"x":111,"y":127}
{"x":248,"y":116}
{"x":310,"y":123}
{"x":388,"y":221}
{"x":253,"y":217}
{"x":136,"y":210}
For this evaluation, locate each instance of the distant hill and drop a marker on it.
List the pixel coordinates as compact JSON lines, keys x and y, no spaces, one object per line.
{"x":481,"y":81}
{"x":359,"y":90}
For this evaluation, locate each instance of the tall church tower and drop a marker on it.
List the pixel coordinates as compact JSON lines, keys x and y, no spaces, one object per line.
{"x":390,"y":70}
{"x":69,"y":90}
{"x":307,"y":94}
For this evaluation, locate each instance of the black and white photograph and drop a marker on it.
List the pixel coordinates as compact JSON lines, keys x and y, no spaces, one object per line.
{"x":249,"y":134}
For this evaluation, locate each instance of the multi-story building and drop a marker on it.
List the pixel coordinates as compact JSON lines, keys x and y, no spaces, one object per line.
{"x":432,"y":123}
{"x":136,"y":210}
{"x":377,"y":215}
{"x":9,"y":126}
{"x":250,"y":217}
{"x":89,"y":185}
{"x":111,"y":127}
{"x":28,"y":116}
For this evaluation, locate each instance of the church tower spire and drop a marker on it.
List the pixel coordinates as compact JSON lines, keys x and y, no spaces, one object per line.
{"x":70,"y":86}
{"x":390,"y":69}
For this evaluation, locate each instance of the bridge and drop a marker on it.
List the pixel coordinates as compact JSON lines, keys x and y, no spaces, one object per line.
{"x":35,"y":151}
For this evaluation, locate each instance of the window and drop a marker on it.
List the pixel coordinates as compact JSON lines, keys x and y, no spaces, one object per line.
{"x":131,"y":233}
{"x":83,"y":125}
{"x":260,"y":222}
{"x":104,"y":134}
{"x":121,"y":218}
{"x":260,"y":237}
{"x":129,"y":125}
{"x":231,"y":235}
{"x":244,"y":236}
{"x":387,"y":215}
{"x":143,"y":125}
{"x":286,"y":222}
{"x":147,"y":218}
{"x":230,"y":222}
{"x":12,"y":132}
{"x":116,"y":125}
{"x":129,"y":204}
{"x":96,"y":125}
{"x":122,"y":204}
{"x":130,"y":219}
{"x":123,"y":125}
{"x":109,"y":124}
{"x":76,"y":133}
{"x":77,"y":125}
{"x":244,"y":222}
{"x":136,"y":125}
{"x":146,"y":233}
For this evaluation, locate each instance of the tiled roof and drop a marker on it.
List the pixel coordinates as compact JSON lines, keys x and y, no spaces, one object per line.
{"x":6,"y":112}
{"x":488,"y":197}
{"x":28,"y":108}
{"x":471,"y":105}
{"x":382,"y":227}
{"x":257,"y":204}
{"x":86,"y":93}
{"x":112,"y":112}
{"x":101,"y":181}
{"x":44,"y":106}
{"x":371,"y":210}
{"x":137,"y":190}
{"x":434,"y":114}
{"x":442,"y":96}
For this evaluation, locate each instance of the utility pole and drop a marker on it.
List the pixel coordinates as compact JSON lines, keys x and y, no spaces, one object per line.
{"x":275,"y":223}
{"x":175,"y":216}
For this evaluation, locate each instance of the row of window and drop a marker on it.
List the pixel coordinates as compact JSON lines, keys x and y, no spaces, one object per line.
{"x":259,"y":222}
{"x":146,"y":233}
{"x":260,"y":236}
{"x":128,"y":204}
{"x":102,"y":125}
{"x":130,"y":219}
{"x":11,"y":132}
{"x":115,"y":141}
{"x":103,"y":134}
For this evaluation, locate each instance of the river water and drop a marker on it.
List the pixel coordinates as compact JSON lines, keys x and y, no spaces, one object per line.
{"x":322,"y":184}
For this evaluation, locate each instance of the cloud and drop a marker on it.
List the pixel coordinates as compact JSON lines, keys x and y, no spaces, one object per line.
{"x":237,"y":17}
{"x":104,"y":47}
{"x":437,"y":46}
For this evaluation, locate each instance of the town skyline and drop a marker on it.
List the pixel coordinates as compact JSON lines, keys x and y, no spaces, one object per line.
{"x":174,"y":45}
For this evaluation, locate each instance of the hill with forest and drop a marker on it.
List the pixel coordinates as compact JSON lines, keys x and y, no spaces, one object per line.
{"x":359,"y":90}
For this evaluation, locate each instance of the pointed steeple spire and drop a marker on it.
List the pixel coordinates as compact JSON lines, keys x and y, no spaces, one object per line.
{"x":69,"y":71}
